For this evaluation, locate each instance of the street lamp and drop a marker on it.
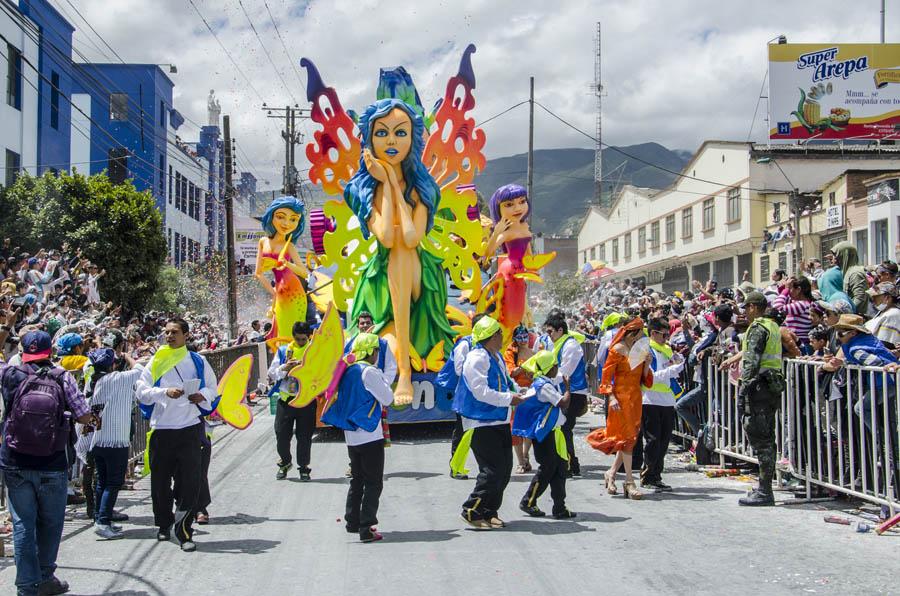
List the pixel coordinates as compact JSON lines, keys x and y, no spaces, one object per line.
{"x":793,"y":205}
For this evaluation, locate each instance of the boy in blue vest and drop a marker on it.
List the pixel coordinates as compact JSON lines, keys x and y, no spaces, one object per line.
{"x":539,"y":418}
{"x":448,"y":378}
{"x":362,"y":393}
{"x":570,"y":358}
{"x":486,"y":394}
{"x":290,"y":421}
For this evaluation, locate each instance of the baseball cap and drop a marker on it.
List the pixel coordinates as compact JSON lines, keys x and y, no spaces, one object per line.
{"x":36,"y":345}
{"x":67,"y":342}
{"x":882,"y":289}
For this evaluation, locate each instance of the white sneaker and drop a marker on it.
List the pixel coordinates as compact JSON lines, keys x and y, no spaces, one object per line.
{"x":107,"y":532}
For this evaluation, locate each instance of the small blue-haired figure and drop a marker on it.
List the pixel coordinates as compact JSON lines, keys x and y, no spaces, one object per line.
{"x":283,"y":223}
{"x":395,"y":197}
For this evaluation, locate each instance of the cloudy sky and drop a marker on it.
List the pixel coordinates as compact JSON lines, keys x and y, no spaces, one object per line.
{"x":675,"y":72}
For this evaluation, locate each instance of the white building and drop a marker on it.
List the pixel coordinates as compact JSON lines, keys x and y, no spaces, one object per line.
{"x":19,"y":111}
{"x":709,"y":223}
{"x":185,"y":214}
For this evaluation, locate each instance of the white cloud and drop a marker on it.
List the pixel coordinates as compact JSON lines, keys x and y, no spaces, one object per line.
{"x":676,"y":72}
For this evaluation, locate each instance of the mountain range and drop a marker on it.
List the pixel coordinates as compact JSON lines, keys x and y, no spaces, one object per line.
{"x":564,"y":179}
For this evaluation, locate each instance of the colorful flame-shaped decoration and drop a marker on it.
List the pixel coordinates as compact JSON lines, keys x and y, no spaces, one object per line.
{"x":453,"y":151}
{"x":334,"y":155}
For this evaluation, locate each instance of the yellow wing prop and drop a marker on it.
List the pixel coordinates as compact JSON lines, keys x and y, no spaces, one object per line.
{"x":536,"y":262}
{"x":319,"y":364}
{"x":456,"y":239}
{"x":232,"y":389}
{"x":346,"y":248}
{"x":434,"y":361}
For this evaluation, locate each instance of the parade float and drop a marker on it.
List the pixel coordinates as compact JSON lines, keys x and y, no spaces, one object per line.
{"x":404,"y":228}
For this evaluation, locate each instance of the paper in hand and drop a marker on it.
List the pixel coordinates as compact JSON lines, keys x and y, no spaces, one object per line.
{"x":191,"y":386}
{"x":638,"y":352}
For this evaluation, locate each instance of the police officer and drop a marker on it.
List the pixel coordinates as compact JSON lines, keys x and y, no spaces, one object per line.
{"x":762,"y":382}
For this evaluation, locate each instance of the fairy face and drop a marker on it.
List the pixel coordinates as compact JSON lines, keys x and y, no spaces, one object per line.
{"x":514,"y":209}
{"x":285,"y":221}
{"x":392,"y":136}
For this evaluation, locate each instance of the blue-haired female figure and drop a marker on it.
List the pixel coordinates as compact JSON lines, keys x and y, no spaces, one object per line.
{"x":283,"y":223}
{"x":395,"y":198}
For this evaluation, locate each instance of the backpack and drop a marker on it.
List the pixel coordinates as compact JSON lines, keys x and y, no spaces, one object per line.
{"x":36,"y":423}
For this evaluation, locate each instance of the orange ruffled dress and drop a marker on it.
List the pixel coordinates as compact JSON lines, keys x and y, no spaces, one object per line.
{"x":622,"y":425}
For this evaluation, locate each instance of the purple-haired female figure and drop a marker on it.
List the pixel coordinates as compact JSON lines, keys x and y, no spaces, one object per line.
{"x":510,"y":207}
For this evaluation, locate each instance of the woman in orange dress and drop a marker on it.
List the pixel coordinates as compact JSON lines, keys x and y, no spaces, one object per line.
{"x":623,"y":419}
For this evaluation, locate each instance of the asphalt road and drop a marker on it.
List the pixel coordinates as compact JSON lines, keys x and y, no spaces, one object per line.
{"x":284,"y":537}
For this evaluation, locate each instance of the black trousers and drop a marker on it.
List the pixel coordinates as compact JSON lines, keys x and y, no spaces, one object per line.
{"x":551,"y":472}
{"x":577,"y":407}
{"x":299,"y":423}
{"x":456,"y":437}
{"x":175,"y":456}
{"x":657,"y":423}
{"x":366,"y":482}
{"x":492,"y":446}
{"x":204,"y":498}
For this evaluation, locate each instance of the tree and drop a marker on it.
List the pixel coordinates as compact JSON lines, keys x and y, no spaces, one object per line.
{"x":113,"y":225}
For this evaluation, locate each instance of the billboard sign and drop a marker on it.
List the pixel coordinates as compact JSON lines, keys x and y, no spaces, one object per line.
{"x":834,"y":91}
{"x":247,"y":232}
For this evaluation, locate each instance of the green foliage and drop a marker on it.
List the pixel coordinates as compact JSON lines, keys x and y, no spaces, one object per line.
{"x":115,"y":226}
{"x":168,"y":286}
{"x":566,"y":291}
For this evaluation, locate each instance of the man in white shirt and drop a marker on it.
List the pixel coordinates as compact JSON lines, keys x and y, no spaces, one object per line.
{"x":180,"y":387}
{"x":570,"y":358}
{"x":487,"y":394}
{"x":93,"y":294}
{"x":886,"y":325}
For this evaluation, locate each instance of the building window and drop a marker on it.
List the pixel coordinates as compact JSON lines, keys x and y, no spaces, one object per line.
{"x":54,"y":100}
{"x":832,"y":201}
{"x":764,"y":267}
{"x":593,"y":252}
{"x":14,"y":76}
{"x":603,"y":251}
{"x":184,"y":251}
{"x":13,"y":163}
{"x":654,"y":234}
{"x":861,"y":239}
{"x":687,"y":222}
{"x":615,"y":250}
{"x":162,"y":175}
{"x":169,"y":239}
{"x":670,"y":229}
{"x":178,"y":191}
{"x":880,"y":240}
{"x":170,"y":185}
{"x":117,"y":169}
{"x":627,"y":247}
{"x":709,"y":214}
{"x":184,"y":193}
{"x":782,"y":260}
{"x":642,"y":240}
{"x":734,"y":204}
{"x":118,"y":107}
{"x":776,"y":213}
{"x":162,"y":113}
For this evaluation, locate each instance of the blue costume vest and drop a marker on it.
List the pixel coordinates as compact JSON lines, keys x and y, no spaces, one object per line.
{"x":147,"y":409}
{"x":479,"y":410}
{"x":578,"y":379}
{"x":447,"y":377}
{"x":535,"y":419}
{"x":355,"y":408}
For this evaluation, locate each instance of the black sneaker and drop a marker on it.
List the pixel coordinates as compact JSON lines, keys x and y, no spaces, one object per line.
{"x":304,"y":475}
{"x":657,"y":486}
{"x":53,"y":586}
{"x":282,"y":471}
{"x":532,"y":511}
{"x":352,"y":529}
{"x":163,"y":535}
{"x":564,"y":513}
{"x":458,"y":476}
{"x":757,"y":498}
{"x":118,"y":516}
{"x":370,"y":535}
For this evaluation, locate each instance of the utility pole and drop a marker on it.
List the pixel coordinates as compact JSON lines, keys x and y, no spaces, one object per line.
{"x":598,"y":147}
{"x":291,"y":137}
{"x":530,"y":183}
{"x":229,"y":231}
{"x":882,"y":21}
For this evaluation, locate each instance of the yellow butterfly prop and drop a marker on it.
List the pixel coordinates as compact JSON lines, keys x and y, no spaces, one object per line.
{"x":319,"y":365}
{"x":232,"y":389}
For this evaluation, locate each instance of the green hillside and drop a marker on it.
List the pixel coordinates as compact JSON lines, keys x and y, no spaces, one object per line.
{"x":564,"y":179}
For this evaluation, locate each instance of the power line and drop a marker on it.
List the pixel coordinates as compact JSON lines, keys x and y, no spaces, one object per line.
{"x":284,"y":45}
{"x":266,"y":52}
{"x":507,"y":110}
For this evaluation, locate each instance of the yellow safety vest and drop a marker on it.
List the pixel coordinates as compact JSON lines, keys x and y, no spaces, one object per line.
{"x":771,"y":357}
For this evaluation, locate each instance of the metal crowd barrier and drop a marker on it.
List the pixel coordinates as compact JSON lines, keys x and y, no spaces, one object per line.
{"x":838,"y":431}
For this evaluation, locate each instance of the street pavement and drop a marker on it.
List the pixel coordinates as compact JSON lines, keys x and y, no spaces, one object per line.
{"x":287,"y":537}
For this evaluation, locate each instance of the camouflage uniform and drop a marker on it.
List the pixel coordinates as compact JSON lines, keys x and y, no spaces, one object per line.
{"x":762,"y":382}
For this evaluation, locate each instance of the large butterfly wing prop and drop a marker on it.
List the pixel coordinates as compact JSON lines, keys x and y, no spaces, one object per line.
{"x":232,"y":389}
{"x":334,"y":152}
{"x":319,"y":365}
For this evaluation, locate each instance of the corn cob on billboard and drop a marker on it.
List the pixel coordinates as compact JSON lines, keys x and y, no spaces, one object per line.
{"x":834,"y":91}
